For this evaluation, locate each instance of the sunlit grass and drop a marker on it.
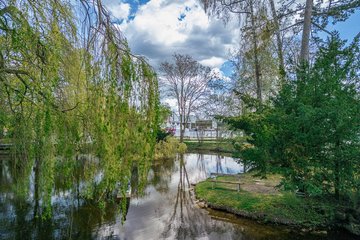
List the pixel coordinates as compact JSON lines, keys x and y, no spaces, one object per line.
{"x":273,"y":205}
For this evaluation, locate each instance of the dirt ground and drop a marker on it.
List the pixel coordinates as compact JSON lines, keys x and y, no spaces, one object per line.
{"x":260,"y":186}
{"x":254,"y":184}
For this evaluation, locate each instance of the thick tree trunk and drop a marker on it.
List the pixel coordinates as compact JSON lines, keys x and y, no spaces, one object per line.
{"x":305,"y":41}
{"x":256,"y":57}
{"x":278,"y":41}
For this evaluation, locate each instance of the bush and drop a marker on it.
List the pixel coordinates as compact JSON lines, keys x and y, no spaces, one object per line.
{"x":168,"y":148}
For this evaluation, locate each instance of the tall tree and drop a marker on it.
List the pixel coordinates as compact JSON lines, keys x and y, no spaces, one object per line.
{"x":187,"y":81}
{"x":246,"y":10}
{"x":305,"y":40}
{"x":255,"y":44}
{"x":279,"y":44}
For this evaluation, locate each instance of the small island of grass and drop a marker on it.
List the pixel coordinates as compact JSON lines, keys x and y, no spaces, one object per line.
{"x":260,"y":199}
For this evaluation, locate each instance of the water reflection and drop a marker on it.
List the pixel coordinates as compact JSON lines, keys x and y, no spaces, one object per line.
{"x":186,"y":220}
{"x":164,"y":211}
{"x":167,"y":210}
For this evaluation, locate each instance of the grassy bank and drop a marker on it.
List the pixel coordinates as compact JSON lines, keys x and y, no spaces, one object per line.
{"x":210,"y":146}
{"x":259,"y":199}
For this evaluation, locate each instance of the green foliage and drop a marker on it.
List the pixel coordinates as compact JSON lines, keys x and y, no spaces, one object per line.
{"x":168,"y":148}
{"x":310,"y":133}
{"x":164,"y":114}
{"x":63,"y":94}
{"x":182,"y":148}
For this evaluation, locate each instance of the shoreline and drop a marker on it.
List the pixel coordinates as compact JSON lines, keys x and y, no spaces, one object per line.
{"x":313,"y":223}
{"x":223,"y":147}
{"x":258,"y":217}
{"x":261,"y":218}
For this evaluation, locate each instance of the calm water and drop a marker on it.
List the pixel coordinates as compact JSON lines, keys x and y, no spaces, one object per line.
{"x":165,"y":211}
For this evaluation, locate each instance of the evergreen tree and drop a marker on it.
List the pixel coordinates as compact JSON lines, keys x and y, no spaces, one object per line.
{"x":310,"y":133}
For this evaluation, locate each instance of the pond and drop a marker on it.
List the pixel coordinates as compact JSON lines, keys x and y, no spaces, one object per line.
{"x":165,"y":211}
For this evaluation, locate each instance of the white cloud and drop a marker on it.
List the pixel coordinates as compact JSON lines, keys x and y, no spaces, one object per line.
{"x":162,"y":27}
{"x":118,"y":9}
{"x":213,"y":62}
{"x":159,"y":23}
{"x":171,"y":102}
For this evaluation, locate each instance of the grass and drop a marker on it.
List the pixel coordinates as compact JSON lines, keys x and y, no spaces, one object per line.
{"x":259,"y":199}
{"x":210,"y":146}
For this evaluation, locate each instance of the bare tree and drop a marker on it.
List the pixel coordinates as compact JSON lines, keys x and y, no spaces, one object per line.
{"x":187,"y":81}
{"x":250,"y":12}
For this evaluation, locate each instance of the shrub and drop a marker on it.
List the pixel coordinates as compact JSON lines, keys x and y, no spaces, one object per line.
{"x":168,"y":148}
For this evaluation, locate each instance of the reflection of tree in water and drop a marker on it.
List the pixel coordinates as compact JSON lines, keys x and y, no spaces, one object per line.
{"x":202,"y":168}
{"x":72,"y":216}
{"x":5,"y":176}
{"x":187,"y":221}
{"x":200,"y":163}
{"x":219,"y":160}
{"x":162,"y":170}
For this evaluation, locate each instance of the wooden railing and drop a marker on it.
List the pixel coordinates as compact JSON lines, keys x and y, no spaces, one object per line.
{"x":214,"y":181}
{"x":5,"y":146}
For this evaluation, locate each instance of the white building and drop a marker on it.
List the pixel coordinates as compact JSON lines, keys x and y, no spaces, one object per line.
{"x":198,"y":128}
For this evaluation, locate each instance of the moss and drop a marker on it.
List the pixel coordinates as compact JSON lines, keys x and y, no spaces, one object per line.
{"x":279,"y":207}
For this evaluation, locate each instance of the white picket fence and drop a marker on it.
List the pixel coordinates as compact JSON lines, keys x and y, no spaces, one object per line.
{"x":206,"y":134}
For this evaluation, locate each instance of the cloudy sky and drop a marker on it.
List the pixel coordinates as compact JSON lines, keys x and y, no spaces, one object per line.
{"x":158,"y":28}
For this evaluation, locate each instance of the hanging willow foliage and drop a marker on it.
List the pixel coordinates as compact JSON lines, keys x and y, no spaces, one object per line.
{"x":68,"y":82}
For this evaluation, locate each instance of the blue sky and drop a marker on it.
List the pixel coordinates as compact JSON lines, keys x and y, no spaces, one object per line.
{"x":349,"y":28}
{"x":158,"y":28}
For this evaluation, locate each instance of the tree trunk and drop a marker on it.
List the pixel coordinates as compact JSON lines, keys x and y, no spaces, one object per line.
{"x":337,"y":171}
{"x":197,"y":135}
{"x":304,"y":53}
{"x":181,"y":128}
{"x":182,"y":134}
{"x":256,"y":57}
{"x":36,"y":188}
{"x":337,"y":180}
{"x":278,"y":42}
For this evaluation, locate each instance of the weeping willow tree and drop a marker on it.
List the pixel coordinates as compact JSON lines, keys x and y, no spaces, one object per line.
{"x":68,"y":82}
